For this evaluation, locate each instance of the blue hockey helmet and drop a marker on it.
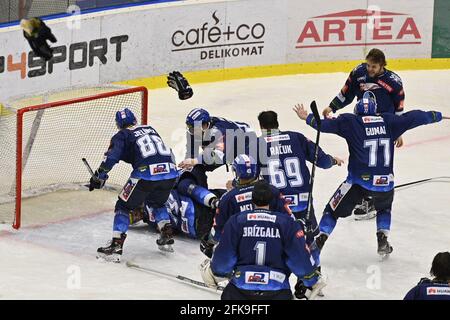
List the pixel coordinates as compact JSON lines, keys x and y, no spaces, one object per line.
{"x":196,"y":116}
{"x":125,"y":118}
{"x":245,"y":167}
{"x":367,"y":105}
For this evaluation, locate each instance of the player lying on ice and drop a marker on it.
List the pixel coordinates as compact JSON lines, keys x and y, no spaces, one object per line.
{"x":189,"y":209}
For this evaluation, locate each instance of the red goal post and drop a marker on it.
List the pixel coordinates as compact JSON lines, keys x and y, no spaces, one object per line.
{"x":51,"y":138}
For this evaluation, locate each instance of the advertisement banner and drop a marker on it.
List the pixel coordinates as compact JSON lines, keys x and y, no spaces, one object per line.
{"x":348,"y":29}
{"x":150,"y":41}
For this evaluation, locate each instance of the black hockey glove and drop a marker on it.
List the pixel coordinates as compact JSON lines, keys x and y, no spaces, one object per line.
{"x":177,"y":81}
{"x":98,"y":180}
{"x":300,"y":290}
{"x":207,"y":246}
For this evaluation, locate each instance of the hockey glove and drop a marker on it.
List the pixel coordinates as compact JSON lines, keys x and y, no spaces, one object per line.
{"x":177,"y":81}
{"x":208,"y":276}
{"x":304,"y":289}
{"x":207,"y":246}
{"x":98,"y":180}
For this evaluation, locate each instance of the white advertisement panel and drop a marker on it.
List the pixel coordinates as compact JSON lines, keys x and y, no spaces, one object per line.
{"x":154,"y":40}
{"x":347,"y":29}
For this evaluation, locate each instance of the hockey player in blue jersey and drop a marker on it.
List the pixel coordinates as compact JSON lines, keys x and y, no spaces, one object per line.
{"x":389,"y":94}
{"x":239,"y":199}
{"x":189,"y":208}
{"x":153,"y":176}
{"x":437,"y":288}
{"x":258,"y":251}
{"x":371,"y":76}
{"x":283,"y":164}
{"x":370,"y":138}
{"x":221,"y":140}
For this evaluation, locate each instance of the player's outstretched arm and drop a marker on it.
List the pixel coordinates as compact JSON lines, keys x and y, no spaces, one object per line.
{"x":300,"y":110}
{"x":399,"y":142}
{"x":328,"y":125}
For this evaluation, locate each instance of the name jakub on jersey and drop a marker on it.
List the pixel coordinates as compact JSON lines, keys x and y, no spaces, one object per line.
{"x":261,"y":232}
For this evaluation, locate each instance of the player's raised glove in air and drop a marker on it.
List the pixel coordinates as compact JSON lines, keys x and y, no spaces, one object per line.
{"x":177,"y":81}
{"x":98,"y":180}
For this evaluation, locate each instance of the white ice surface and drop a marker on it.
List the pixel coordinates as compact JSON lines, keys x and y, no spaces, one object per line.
{"x":41,"y":262}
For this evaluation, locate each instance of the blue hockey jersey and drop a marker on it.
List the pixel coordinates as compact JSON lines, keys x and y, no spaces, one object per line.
{"x":181,"y":212}
{"x":259,"y":249}
{"x":143,"y":148}
{"x":283,"y":164}
{"x":387,"y":87}
{"x":427,"y":289}
{"x":239,"y":199}
{"x":370,"y":142}
{"x":219,"y":149}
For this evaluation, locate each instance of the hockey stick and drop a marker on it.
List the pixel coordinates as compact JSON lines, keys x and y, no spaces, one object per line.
{"x":368,"y":216}
{"x":172,"y":276}
{"x":88,"y":166}
{"x":315,"y":112}
{"x":419,"y":181}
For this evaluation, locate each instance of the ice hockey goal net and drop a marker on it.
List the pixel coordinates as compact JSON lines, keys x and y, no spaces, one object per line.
{"x":43,"y":140}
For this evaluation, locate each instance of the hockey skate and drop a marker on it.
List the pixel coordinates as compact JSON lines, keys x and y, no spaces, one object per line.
{"x":113,"y":251}
{"x":365,"y":210}
{"x":384,"y":247}
{"x":165,"y":240}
